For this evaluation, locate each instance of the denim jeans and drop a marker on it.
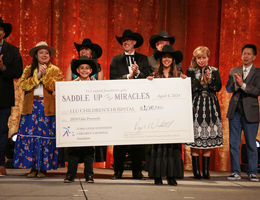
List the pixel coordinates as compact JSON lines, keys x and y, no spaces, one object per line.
{"x":236,"y":125}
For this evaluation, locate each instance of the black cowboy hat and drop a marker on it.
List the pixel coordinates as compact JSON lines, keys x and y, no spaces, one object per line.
{"x":7,"y":27}
{"x":88,"y":44}
{"x":75,"y":63}
{"x":163,"y":35}
{"x":131,"y":35}
{"x":168,"y":49}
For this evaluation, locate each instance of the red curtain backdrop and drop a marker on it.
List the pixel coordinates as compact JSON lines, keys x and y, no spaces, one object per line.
{"x":222,"y":25}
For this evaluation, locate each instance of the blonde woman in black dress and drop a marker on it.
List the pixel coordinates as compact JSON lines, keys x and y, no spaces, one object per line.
{"x":206,"y":83}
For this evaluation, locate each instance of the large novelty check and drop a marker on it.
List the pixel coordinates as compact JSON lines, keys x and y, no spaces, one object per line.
{"x":117,"y":112}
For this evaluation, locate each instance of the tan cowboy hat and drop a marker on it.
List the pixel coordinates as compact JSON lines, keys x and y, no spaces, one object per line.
{"x":42,"y":45}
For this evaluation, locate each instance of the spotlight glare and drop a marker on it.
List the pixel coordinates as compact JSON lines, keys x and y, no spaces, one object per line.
{"x":14,"y":137}
{"x":257,"y":143}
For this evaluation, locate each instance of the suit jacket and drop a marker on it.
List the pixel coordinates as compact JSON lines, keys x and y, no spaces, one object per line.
{"x":14,"y":69}
{"x":250,"y":99}
{"x":153,"y":62}
{"x":119,"y":68}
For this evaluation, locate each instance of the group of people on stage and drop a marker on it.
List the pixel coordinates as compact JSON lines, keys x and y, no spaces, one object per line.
{"x":35,"y":147}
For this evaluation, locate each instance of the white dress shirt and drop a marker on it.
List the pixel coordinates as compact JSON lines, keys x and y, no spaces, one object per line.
{"x":130,"y":62}
{"x":246,"y":71}
{"x":38,"y":91}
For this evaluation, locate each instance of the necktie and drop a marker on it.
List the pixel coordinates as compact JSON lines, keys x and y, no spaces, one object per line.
{"x":129,"y":59}
{"x":244,"y":74}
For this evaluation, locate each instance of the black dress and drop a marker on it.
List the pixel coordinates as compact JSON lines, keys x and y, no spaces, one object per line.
{"x":164,"y":160}
{"x":206,"y":111}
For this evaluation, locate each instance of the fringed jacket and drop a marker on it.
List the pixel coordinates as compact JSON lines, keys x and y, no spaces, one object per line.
{"x":28,"y":83}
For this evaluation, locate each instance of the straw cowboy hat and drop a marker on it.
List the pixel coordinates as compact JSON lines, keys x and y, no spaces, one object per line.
{"x":42,"y":45}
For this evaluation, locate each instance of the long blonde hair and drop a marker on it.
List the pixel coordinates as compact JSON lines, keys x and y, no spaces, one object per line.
{"x":199,"y":51}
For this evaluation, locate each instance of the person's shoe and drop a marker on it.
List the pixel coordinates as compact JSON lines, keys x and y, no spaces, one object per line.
{"x":234,"y":177}
{"x":205,"y":167}
{"x":32,"y":174}
{"x":68,"y":179}
{"x":196,"y":167}
{"x":138,"y":175}
{"x":2,"y":171}
{"x":89,"y":179}
{"x":252,"y":177}
{"x":117,"y":175}
{"x":171,"y":181}
{"x":158,"y":181}
{"x":41,"y":174}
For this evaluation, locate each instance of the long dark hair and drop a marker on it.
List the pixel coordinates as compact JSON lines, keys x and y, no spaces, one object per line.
{"x":35,"y":62}
{"x":159,"y":70}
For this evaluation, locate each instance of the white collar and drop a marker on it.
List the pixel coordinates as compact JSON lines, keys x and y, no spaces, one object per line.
{"x":133,"y":53}
{"x":247,"y":68}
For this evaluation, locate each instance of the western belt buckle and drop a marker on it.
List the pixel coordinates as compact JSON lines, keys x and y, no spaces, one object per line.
{"x":204,"y":93}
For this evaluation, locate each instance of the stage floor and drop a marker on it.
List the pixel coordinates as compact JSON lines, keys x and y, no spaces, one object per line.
{"x":16,"y":186}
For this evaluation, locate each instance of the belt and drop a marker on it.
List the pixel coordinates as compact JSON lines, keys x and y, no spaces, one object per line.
{"x":204,"y":93}
{"x":37,"y":98}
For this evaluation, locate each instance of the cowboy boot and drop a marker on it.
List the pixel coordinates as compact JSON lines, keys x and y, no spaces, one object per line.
{"x":205,"y":164}
{"x":196,"y":167}
{"x":41,"y":173}
{"x":32,"y":173}
{"x":2,"y":171}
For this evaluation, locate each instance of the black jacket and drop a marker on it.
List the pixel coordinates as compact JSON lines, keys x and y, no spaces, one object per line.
{"x":14,"y":69}
{"x":119,"y":68}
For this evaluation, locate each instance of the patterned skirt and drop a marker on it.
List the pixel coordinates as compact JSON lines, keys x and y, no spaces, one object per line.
{"x":207,"y":122}
{"x":35,"y":146}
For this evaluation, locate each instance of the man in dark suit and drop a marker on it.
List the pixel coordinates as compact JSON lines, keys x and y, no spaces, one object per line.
{"x":10,"y":67}
{"x":129,"y":65}
{"x":243,"y":112}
